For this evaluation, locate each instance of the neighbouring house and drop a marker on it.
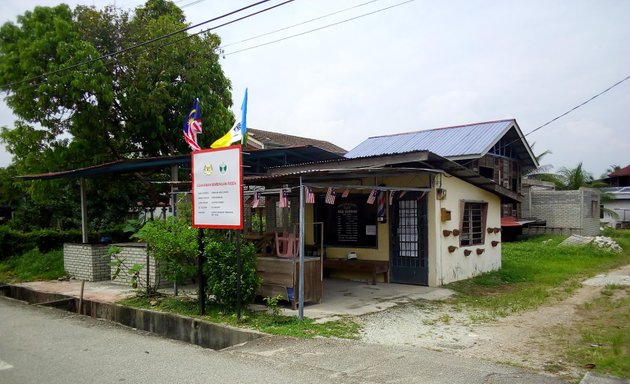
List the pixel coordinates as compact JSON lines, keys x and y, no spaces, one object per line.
{"x":560,"y":212}
{"x":618,"y":201}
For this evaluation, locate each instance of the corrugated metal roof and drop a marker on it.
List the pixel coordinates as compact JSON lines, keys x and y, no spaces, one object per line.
{"x":463,"y":140}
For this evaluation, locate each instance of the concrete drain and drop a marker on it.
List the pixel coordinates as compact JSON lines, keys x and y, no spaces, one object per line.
{"x":168,"y":325}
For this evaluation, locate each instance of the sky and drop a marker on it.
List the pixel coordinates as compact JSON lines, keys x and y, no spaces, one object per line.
{"x":416,"y":65}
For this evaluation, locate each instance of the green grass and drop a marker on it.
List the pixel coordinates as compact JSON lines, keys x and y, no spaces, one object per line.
{"x":603,"y":332}
{"x":261,"y":321}
{"x":32,"y":265}
{"x":536,"y":271}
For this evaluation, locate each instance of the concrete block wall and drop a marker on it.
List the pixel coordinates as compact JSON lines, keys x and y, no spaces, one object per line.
{"x":87,"y":261}
{"x":136,"y":253}
{"x":566,"y":212}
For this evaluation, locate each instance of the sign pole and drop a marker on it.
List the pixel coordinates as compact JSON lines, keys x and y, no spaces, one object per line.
{"x":301,"y":242}
{"x":239,"y":272}
{"x":200,"y":275}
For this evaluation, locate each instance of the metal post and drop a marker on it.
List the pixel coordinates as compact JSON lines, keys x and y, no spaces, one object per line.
{"x":239,"y":272}
{"x":301,"y":287}
{"x":200,"y":274}
{"x":84,"y":216}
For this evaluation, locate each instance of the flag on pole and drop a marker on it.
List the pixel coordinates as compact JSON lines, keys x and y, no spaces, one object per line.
{"x":192,"y":126}
{"x":310,"y":196}
{"x":256,"y":200}
{"x":345,"y":193}
{"x":372,"y":198}
{"x":330,"y":195}
{"x":284,"y":198}
{"x":237,"y":132}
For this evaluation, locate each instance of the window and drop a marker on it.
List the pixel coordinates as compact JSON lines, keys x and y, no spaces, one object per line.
{"x":472,"y":223}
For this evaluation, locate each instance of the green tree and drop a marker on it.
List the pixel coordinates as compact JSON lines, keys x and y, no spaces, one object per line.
{"x":127,"y":106}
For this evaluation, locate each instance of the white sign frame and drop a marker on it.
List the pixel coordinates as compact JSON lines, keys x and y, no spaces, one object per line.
{"x":217,"y":188}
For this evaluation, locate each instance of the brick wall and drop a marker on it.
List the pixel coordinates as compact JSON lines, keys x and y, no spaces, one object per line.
{"x":566,"y":212}
{"x":136,"y":253}
{"x":87,"y":261}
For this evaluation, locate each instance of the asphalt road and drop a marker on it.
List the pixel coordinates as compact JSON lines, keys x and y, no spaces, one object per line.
{"x":44,"y":345}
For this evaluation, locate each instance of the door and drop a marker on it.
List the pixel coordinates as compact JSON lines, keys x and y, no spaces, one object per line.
{"x":408,"y":240}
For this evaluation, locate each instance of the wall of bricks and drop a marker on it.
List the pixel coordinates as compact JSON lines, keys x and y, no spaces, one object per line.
{"x":87,"y":261}
{"x":136,"y":253}
{"x":566,"y":212}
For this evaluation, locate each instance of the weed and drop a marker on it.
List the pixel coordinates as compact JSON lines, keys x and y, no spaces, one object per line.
{"x":32,"y":265}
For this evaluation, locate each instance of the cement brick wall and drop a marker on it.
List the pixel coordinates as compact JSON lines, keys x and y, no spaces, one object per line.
{"x":87,"y":261}
{"x":136,"y":253}
{"x":566,"y":212}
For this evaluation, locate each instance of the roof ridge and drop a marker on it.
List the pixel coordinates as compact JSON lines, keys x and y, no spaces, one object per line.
{"x":442,"y":128}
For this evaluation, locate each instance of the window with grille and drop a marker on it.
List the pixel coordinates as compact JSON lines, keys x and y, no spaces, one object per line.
{"x":473,"y":222}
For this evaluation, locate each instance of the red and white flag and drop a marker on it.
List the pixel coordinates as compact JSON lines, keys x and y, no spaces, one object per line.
{"x":284,"y":198}
{"x":310,"y":196}
{"x":330,"y":195}
{"x":372,"y":198}
{"x":256,"y":200}
{"x":391,"y":197}
{"x":345,"y":193}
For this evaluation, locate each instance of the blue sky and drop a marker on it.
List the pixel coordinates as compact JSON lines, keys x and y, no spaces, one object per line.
{"x":425,"y":65}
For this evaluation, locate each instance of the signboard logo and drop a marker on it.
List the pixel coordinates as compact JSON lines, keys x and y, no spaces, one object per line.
{"x":207,"y":169}
{"x":223,"y":168}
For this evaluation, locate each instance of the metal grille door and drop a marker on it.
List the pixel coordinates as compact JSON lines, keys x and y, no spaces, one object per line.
{"x":408,"y":259}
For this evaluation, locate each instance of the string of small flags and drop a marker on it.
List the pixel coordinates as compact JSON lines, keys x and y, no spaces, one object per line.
{"x":375,"y":196}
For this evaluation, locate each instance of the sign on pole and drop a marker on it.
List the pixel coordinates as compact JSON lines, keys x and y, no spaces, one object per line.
{"x":217,"y":188}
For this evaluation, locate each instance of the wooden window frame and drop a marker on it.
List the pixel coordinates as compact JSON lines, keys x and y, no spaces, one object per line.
{"x":472,"y":222}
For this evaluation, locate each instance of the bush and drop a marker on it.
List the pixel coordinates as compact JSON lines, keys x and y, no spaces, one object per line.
{"x":173,"y":244}
{"x":33,"y":265}
{"x":221,"y":270}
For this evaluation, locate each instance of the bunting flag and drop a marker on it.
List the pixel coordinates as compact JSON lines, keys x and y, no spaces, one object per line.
{"x":256,"y":200}
{"x":403,"y":193}
{"x":238,"y":131}
{"x":310,"y":196}
{"x":380,"y":206}
{"x":284,"y":198}
{"x":422,"y":195}
{"x":192,"y":126}
{"x":345,"y":193}
{"x":372,"y":198}
{"x":330,"y":195}
{"x":392,"y":194}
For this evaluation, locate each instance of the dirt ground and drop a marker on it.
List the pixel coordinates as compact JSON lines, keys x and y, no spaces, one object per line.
{"x":529,"y":339}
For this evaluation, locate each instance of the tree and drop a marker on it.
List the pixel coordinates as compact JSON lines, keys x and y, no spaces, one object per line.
{"x":126,"y":106}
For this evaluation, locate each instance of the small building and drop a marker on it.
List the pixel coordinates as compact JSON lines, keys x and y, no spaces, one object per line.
{"x":618,"y":199}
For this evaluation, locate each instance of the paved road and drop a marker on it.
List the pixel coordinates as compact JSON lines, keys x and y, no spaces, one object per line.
{"x":43,"y":345}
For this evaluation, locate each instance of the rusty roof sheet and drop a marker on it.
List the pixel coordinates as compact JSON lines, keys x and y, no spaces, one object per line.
{"x":449,"y":142}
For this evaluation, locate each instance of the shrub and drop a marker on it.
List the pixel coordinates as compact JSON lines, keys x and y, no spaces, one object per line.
{"x":34,"y":265}
{"x":221,"y":270}
{"x":173,"y":243}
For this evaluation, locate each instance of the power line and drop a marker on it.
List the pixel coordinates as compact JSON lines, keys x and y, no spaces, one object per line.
{"x":319,"y":28}
{"x":298,"y":24}
{"x":142,"y":44}
{"x":576,"y":107}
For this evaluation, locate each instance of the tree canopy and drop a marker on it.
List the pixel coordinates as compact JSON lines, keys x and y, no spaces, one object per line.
{"x":128,"y":105}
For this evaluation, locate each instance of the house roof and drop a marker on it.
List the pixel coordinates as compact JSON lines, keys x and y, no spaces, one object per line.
{"x":274,"y":140}
{"x":625,"y":171}
{"x":454,"y":143}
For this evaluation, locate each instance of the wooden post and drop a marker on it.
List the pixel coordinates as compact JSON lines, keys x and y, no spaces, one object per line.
{"x":84,"y":216}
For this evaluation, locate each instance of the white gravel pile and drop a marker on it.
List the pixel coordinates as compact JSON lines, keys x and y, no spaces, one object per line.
{"x":599,"y":241}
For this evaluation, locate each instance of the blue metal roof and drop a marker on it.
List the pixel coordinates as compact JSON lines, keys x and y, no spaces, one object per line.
{"x":458,"y":141}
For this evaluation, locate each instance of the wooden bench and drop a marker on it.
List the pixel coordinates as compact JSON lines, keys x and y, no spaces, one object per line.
{"x":372,"y":267}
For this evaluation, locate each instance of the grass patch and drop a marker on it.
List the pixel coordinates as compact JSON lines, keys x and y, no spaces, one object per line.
{"x":261,"y":321}
{"x":32,"y":265}
{"x":537,"y":270}
{"x":603,"y":332}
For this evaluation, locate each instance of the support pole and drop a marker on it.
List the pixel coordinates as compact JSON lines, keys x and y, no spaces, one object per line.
{"x":200,"y":275}
{"x":84,"y":216}
{"x":239,"y":272}
{"x":301,"y":278}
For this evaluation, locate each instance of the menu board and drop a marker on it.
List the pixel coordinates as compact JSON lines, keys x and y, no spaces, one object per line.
{"x":349,"y":222}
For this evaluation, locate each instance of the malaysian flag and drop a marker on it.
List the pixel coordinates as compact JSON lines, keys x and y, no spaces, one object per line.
{"x":284,"y":198}
{"x":372,"y":198}
{"x":256,"y":200}
{"x":330,"y":195}
{"x":310,"y":196}
{"x":345,"y":193}
{"x":391,"y":197}
{"x":192,"y":126}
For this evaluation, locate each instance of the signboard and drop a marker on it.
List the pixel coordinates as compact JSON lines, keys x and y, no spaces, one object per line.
{"x":217,"y":188}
